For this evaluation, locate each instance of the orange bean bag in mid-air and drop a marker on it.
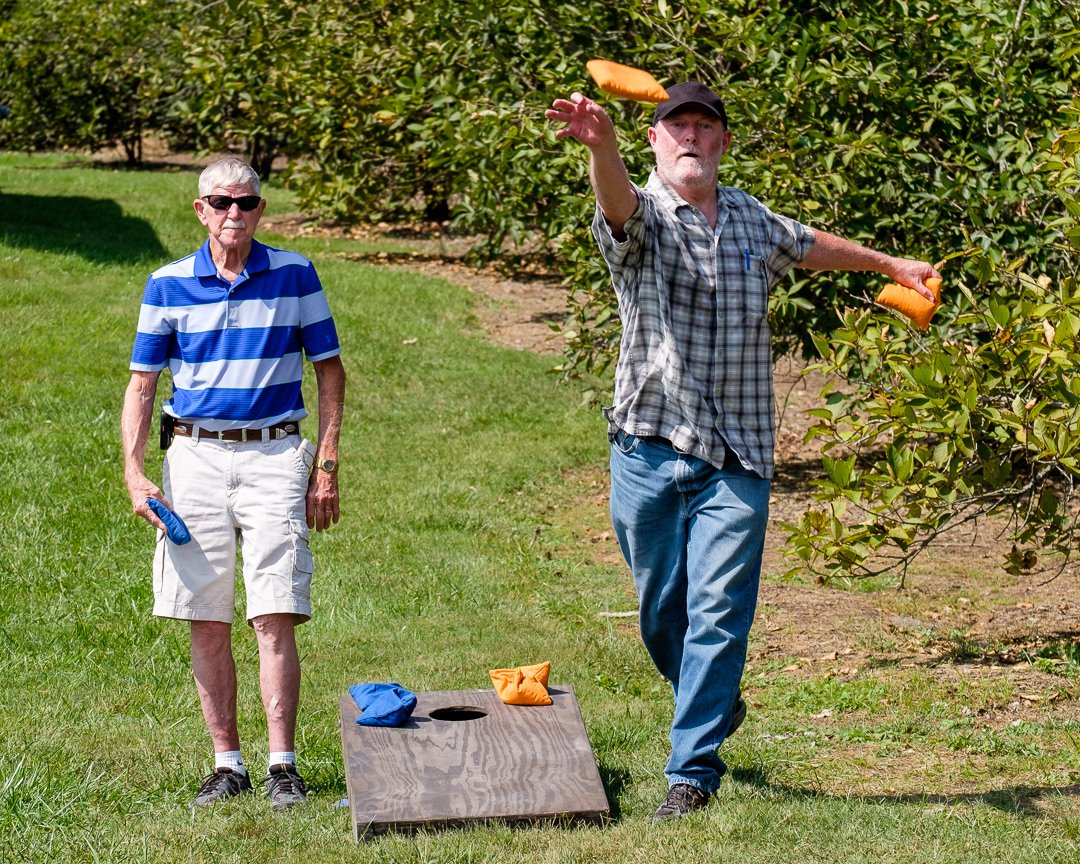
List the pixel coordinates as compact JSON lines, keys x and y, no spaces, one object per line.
{"x":911,"y":303}
{"x":626,"y":81}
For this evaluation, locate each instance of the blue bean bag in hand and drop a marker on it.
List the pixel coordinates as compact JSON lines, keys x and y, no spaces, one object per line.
{"x":383,"y":704}
{"x":174,"y":525}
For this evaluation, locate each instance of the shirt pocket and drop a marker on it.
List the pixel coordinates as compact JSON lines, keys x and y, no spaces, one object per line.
{"x":755,"y":294}
{"x":760,"y":286}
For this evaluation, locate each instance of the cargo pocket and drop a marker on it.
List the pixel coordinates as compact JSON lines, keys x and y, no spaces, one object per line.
{"x":159,"y":563}
{"x":303,"y":560}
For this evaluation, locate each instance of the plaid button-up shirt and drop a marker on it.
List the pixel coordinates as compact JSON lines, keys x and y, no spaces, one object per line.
{"x":695,"y":361}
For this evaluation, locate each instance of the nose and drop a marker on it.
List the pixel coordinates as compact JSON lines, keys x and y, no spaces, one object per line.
{"x":234,"y":211}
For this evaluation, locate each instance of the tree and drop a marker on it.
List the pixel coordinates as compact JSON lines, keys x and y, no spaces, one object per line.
{"x":905,"y":125}
{"x":980,"y":419}
{"x":86,"y":75}
{"x":913,"y":126}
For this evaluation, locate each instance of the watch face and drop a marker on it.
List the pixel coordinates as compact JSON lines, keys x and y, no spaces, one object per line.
{"x":328,"y":465}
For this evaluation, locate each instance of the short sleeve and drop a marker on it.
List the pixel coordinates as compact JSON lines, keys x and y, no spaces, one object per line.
{"x":623,"y":257}
{"x":318,"y":333}
{"x":790,"y":242}
{"x":154,"y":333}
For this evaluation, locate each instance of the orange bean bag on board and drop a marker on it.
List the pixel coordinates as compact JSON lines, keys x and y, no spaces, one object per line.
{"x":525,"y":685}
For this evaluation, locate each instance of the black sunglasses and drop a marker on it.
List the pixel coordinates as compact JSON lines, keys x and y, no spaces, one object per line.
{"x":224,"y":202}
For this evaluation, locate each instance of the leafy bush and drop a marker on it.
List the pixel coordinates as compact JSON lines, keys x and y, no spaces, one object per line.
{"x":86,"y":75}
{"x":902,"y":124}
{"x":935,"y":433}
{"x":907,"y":124}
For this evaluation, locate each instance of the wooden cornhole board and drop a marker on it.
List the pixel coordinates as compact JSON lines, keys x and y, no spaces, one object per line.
{"x":467,"y":757}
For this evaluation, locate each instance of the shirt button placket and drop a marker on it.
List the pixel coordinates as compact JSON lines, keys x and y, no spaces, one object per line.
{"x":232,"y":317}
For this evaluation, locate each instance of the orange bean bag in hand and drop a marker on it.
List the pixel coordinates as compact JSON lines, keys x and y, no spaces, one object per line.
{"x":911,"y":303}
{"x":626,"y":81}
{"x":525,"y":685}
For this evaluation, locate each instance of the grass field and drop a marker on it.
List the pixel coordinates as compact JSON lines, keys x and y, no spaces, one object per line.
{"x":466,"y":543}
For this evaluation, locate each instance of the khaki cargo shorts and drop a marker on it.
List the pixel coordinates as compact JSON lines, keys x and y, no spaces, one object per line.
{"x":236,"y":496}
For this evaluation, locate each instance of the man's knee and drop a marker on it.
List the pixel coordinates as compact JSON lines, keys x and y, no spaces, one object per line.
{"x":275,"y":630}
{"x":211,"y":634}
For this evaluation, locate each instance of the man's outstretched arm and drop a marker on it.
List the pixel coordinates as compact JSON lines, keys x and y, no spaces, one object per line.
{"x":587,"y":122}
{"x":831,"y":252}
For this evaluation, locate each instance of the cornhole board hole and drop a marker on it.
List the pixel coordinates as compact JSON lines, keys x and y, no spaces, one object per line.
{"x":467,"y":757}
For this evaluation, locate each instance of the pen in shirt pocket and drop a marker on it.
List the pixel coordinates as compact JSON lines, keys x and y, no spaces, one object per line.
{"x":753,"y":262}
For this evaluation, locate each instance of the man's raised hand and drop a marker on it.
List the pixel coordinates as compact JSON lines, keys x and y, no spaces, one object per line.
{"x":583,"y":119}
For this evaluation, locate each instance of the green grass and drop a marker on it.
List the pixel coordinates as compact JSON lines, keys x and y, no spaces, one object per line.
{"x":451,"y":559}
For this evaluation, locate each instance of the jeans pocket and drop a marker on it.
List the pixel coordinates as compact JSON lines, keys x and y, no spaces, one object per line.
{"x":624,"y":442}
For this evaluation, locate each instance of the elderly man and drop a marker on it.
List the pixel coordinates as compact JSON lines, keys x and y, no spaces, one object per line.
{"x":692,"y":426}
{"x":230,"y":322}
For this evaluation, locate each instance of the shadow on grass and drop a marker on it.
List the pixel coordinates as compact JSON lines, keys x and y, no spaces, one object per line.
{"x":613,"y":779}
{"x":1017,"y":800}
{"x":93,"y":228}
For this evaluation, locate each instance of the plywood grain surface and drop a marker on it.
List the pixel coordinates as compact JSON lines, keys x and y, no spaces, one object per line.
{"x":506,"y":763}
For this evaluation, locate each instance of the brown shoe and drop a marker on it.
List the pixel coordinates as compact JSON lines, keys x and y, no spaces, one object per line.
{"x":285,"y":786}
{"x":222,"y":785}
{"x":682,"y":798}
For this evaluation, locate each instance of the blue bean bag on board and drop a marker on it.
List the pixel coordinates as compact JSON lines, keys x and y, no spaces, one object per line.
{"x":383,"y":704}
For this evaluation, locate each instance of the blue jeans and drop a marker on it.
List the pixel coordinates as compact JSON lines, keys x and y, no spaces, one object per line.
{"x":693,"y":535}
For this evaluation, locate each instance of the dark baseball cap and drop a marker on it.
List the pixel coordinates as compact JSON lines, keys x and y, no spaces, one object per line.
{"x":690,"y":94}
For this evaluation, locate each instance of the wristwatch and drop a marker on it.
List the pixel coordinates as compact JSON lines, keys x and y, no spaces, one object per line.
{"x":330,"y":466}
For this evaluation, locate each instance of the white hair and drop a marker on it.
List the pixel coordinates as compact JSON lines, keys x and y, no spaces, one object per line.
{"x":228,"y":172}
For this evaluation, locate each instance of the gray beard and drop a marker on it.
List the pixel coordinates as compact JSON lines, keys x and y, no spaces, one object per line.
{"x":700,"y":172}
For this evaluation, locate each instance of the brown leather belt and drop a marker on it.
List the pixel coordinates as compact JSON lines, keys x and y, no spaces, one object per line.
{"x":276,"y":432}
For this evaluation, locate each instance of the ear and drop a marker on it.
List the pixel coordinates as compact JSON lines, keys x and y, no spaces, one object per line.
{"x":200,"y":209}
{"x":726,"y":142}
{"x":652,"y":137}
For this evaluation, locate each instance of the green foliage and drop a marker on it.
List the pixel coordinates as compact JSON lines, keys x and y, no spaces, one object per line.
{"x":934,"y":433}
{"x":255,"y":72}
{"x":86,"y":74}
{"x":908,"y":125}
{"x":905,"y":124}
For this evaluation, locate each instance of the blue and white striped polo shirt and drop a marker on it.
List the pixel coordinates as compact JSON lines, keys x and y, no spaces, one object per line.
{"x":235,"y":351}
